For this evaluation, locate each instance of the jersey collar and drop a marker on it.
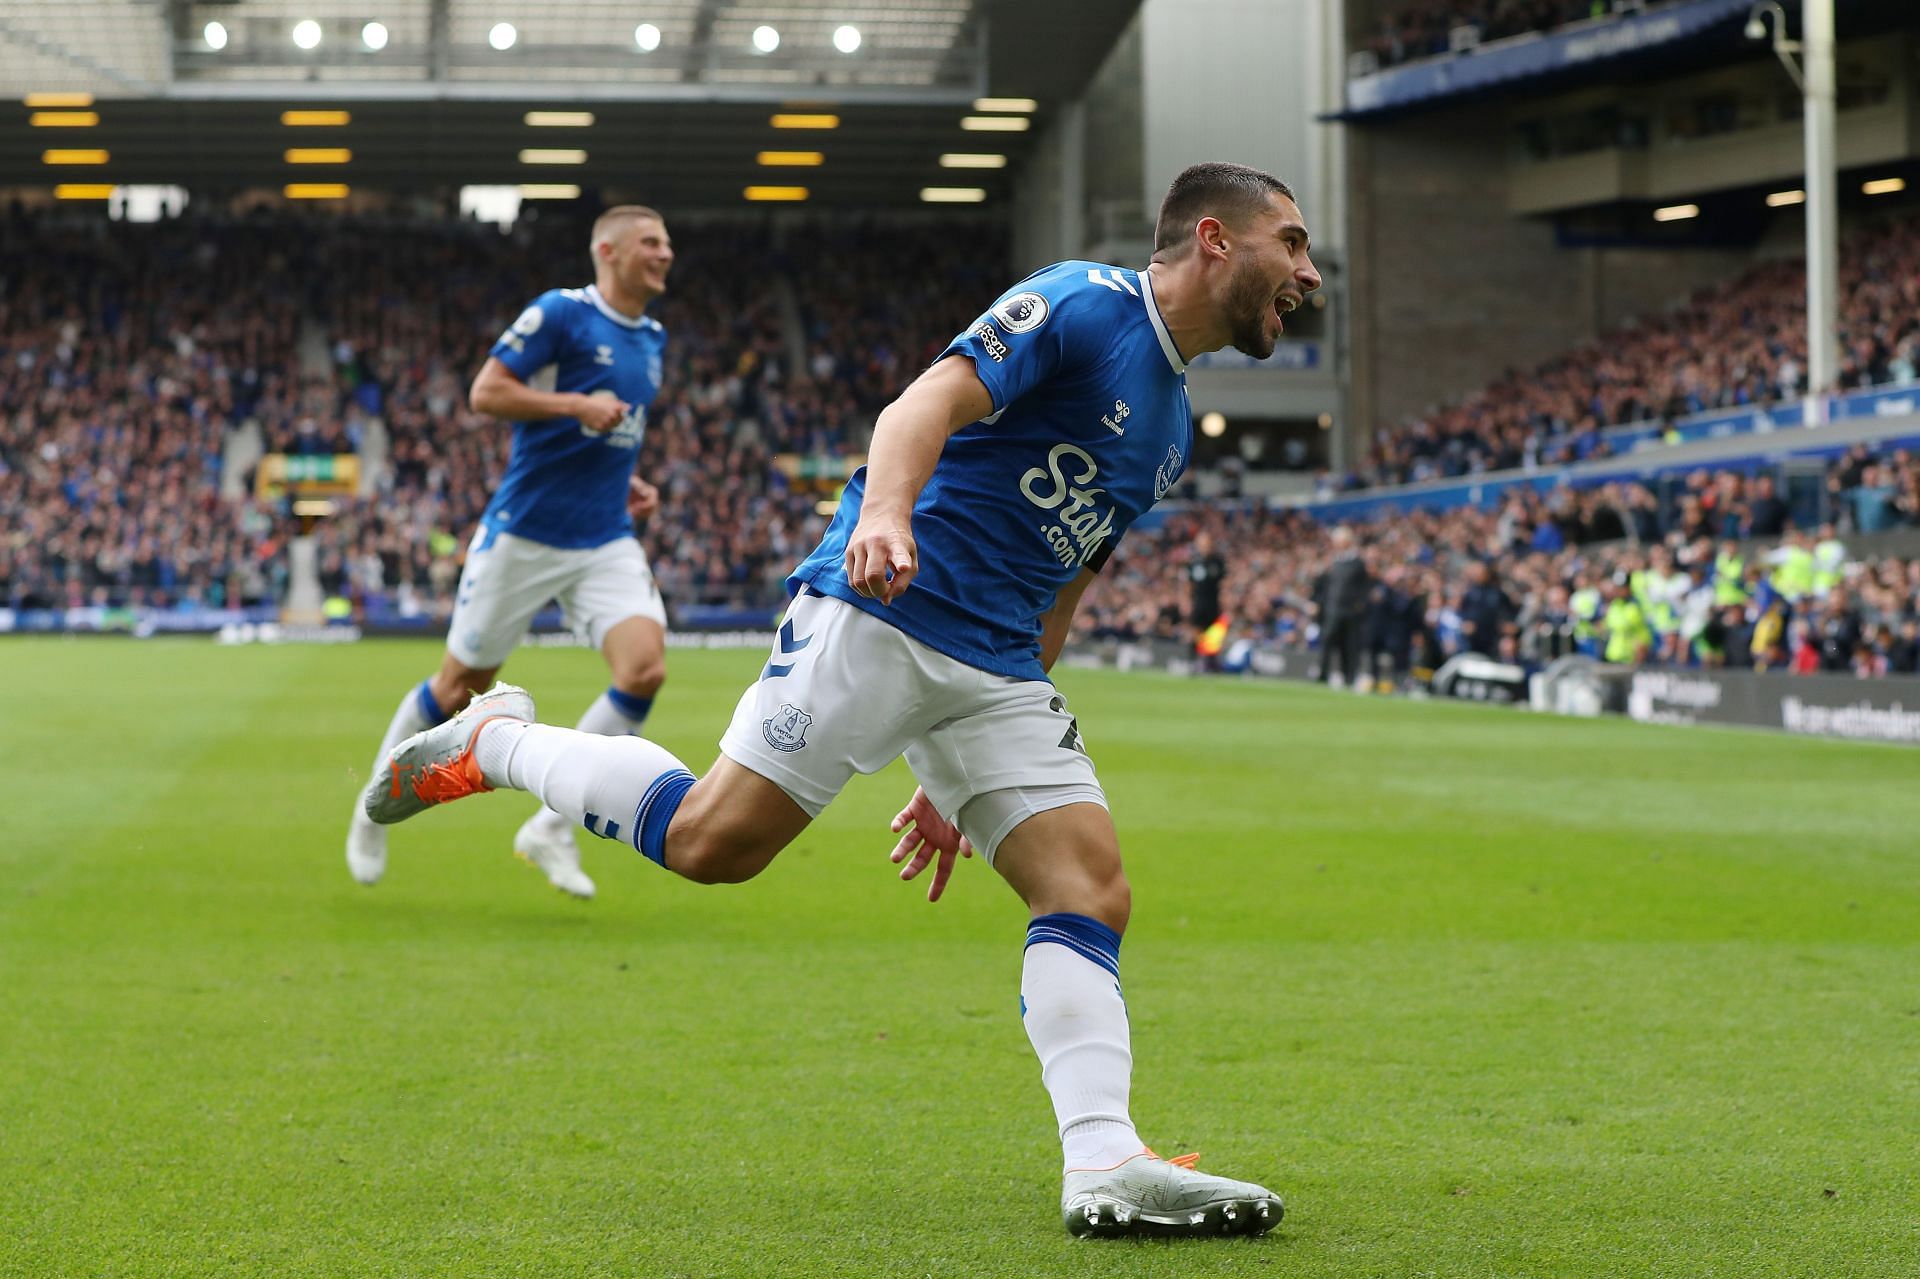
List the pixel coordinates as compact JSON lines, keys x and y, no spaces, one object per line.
{"x":606,"y":308}
{"x":1167,"y":347}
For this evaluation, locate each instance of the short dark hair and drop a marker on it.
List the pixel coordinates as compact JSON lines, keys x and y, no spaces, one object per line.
{"x":1229,"y":192}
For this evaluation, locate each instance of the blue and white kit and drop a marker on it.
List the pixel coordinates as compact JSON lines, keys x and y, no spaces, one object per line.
{"x":1090,"y":427}
{"x":557,"y":527}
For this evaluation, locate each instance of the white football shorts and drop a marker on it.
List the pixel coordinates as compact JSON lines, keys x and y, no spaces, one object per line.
{"x":843,"y":693}
{"x":508,"y":579}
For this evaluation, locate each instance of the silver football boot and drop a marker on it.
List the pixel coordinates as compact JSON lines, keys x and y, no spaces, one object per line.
{"x":1148,"y":1195}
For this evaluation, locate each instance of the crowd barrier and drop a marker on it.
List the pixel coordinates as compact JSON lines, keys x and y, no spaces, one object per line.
{"x":1836,"y":706}
{"x":1811,"y":705}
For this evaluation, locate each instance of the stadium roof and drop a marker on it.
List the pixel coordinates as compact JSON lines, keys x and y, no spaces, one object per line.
{"x":680,"y":92}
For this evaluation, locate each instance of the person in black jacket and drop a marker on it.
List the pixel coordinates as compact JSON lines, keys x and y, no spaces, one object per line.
{"x":1485,"y":609}
{"x":1340,"y":602}
{"x":1394,"y":614}
{"x":1205,"y":571}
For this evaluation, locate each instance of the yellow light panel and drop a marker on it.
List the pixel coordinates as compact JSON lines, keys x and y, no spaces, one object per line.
{"x":958,"y":160}
{"x":559,"y":119}
{"x":1883,"y":186}
{"x":1676,"y":213}
{"x":316,"y":190}
{"x":549,"y":191}
{"x":952,"y":195}
{"x":315,"y":119}
{"x":996,"y":123}
{"x":804,"y":120}
{"x":562,"y":156}
{"x":787,"y":195}
{"x":73,"y":157}
{"x":64,"y":119}
{"x":1027,"y":105}
{"x":791,"y":159}
{"x":1781,"y":199}
{"x":83,"y":191}
{"x":59,"y":100}
{"x":319,"y":155}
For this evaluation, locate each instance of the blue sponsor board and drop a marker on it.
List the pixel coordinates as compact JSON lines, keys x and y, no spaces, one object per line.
{"x":1888,"y":401}
{"x":1635,"y":454}
{"x":1532,"y":57}
{"x":1486,"y":489}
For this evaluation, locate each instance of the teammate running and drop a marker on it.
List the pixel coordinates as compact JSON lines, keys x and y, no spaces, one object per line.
{"x":574,"y":374}
{"x":925,"y":623}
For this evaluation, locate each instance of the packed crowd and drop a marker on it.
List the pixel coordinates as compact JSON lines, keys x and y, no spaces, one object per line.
{"x":1421,"y":29}
{"x":129,"y":354}
{"x":407,"y":348}
{"x":1737,"y":344}
{"x":125,"y":358}
{"x":1719,"y":577}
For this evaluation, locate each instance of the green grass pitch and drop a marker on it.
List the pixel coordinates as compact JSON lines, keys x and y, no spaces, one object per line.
{"x":1480,"y":993}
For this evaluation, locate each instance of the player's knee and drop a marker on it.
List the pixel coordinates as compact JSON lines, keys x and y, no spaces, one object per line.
{"x":640,"y":676}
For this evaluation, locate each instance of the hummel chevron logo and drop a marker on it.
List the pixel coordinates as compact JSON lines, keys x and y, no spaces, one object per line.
{"x":1112,"y":278}
{"x":789,"y":643}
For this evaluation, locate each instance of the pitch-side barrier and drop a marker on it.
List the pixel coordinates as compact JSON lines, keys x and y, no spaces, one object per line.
{"x":1836,"y":706}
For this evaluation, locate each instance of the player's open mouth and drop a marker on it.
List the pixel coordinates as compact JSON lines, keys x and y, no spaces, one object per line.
{"x":1283,"y":302}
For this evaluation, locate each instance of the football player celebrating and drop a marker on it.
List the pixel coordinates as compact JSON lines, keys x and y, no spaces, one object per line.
{"x":574,"y":374}
{"x":925,"y":624}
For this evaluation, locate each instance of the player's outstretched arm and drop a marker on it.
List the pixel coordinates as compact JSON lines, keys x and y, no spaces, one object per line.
{"x":498,"y":393}
{"x":881,"y":555}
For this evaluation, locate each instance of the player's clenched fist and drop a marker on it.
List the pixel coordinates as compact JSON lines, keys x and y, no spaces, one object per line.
{"x":643,"y":499}
{"x":601,"y":412}
{"x":881,"y":558}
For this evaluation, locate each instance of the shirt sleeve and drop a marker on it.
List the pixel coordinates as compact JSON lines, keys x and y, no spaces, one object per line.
{"x":534,"y":340}
{"x":1038,"y":331}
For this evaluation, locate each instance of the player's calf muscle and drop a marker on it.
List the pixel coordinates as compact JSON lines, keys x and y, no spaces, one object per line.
{"x":730,"y":826}
{"x":706,"y":851}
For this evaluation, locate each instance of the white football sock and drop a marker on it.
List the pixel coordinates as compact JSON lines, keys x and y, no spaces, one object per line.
{"x":607,"y":784}
{"x":609,"y":719}
{"x":606,"y":719}
{"x":1077,"y":1023}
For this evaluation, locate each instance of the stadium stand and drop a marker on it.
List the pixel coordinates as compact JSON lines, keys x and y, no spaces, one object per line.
{"x":136,"y":357}
{"x":1531,"y":579}
{"x":1740,"y":344}
{"x":1423,"y":29}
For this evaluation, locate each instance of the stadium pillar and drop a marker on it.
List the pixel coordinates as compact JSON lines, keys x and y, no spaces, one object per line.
{"x":1823,"y":217}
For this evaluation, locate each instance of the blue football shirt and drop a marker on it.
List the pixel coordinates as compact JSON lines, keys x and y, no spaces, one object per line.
{"x":565,"y":485}
{"x":1090,"y":427}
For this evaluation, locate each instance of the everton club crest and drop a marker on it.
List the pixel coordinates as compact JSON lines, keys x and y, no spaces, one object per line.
{"x":786,"y":729}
